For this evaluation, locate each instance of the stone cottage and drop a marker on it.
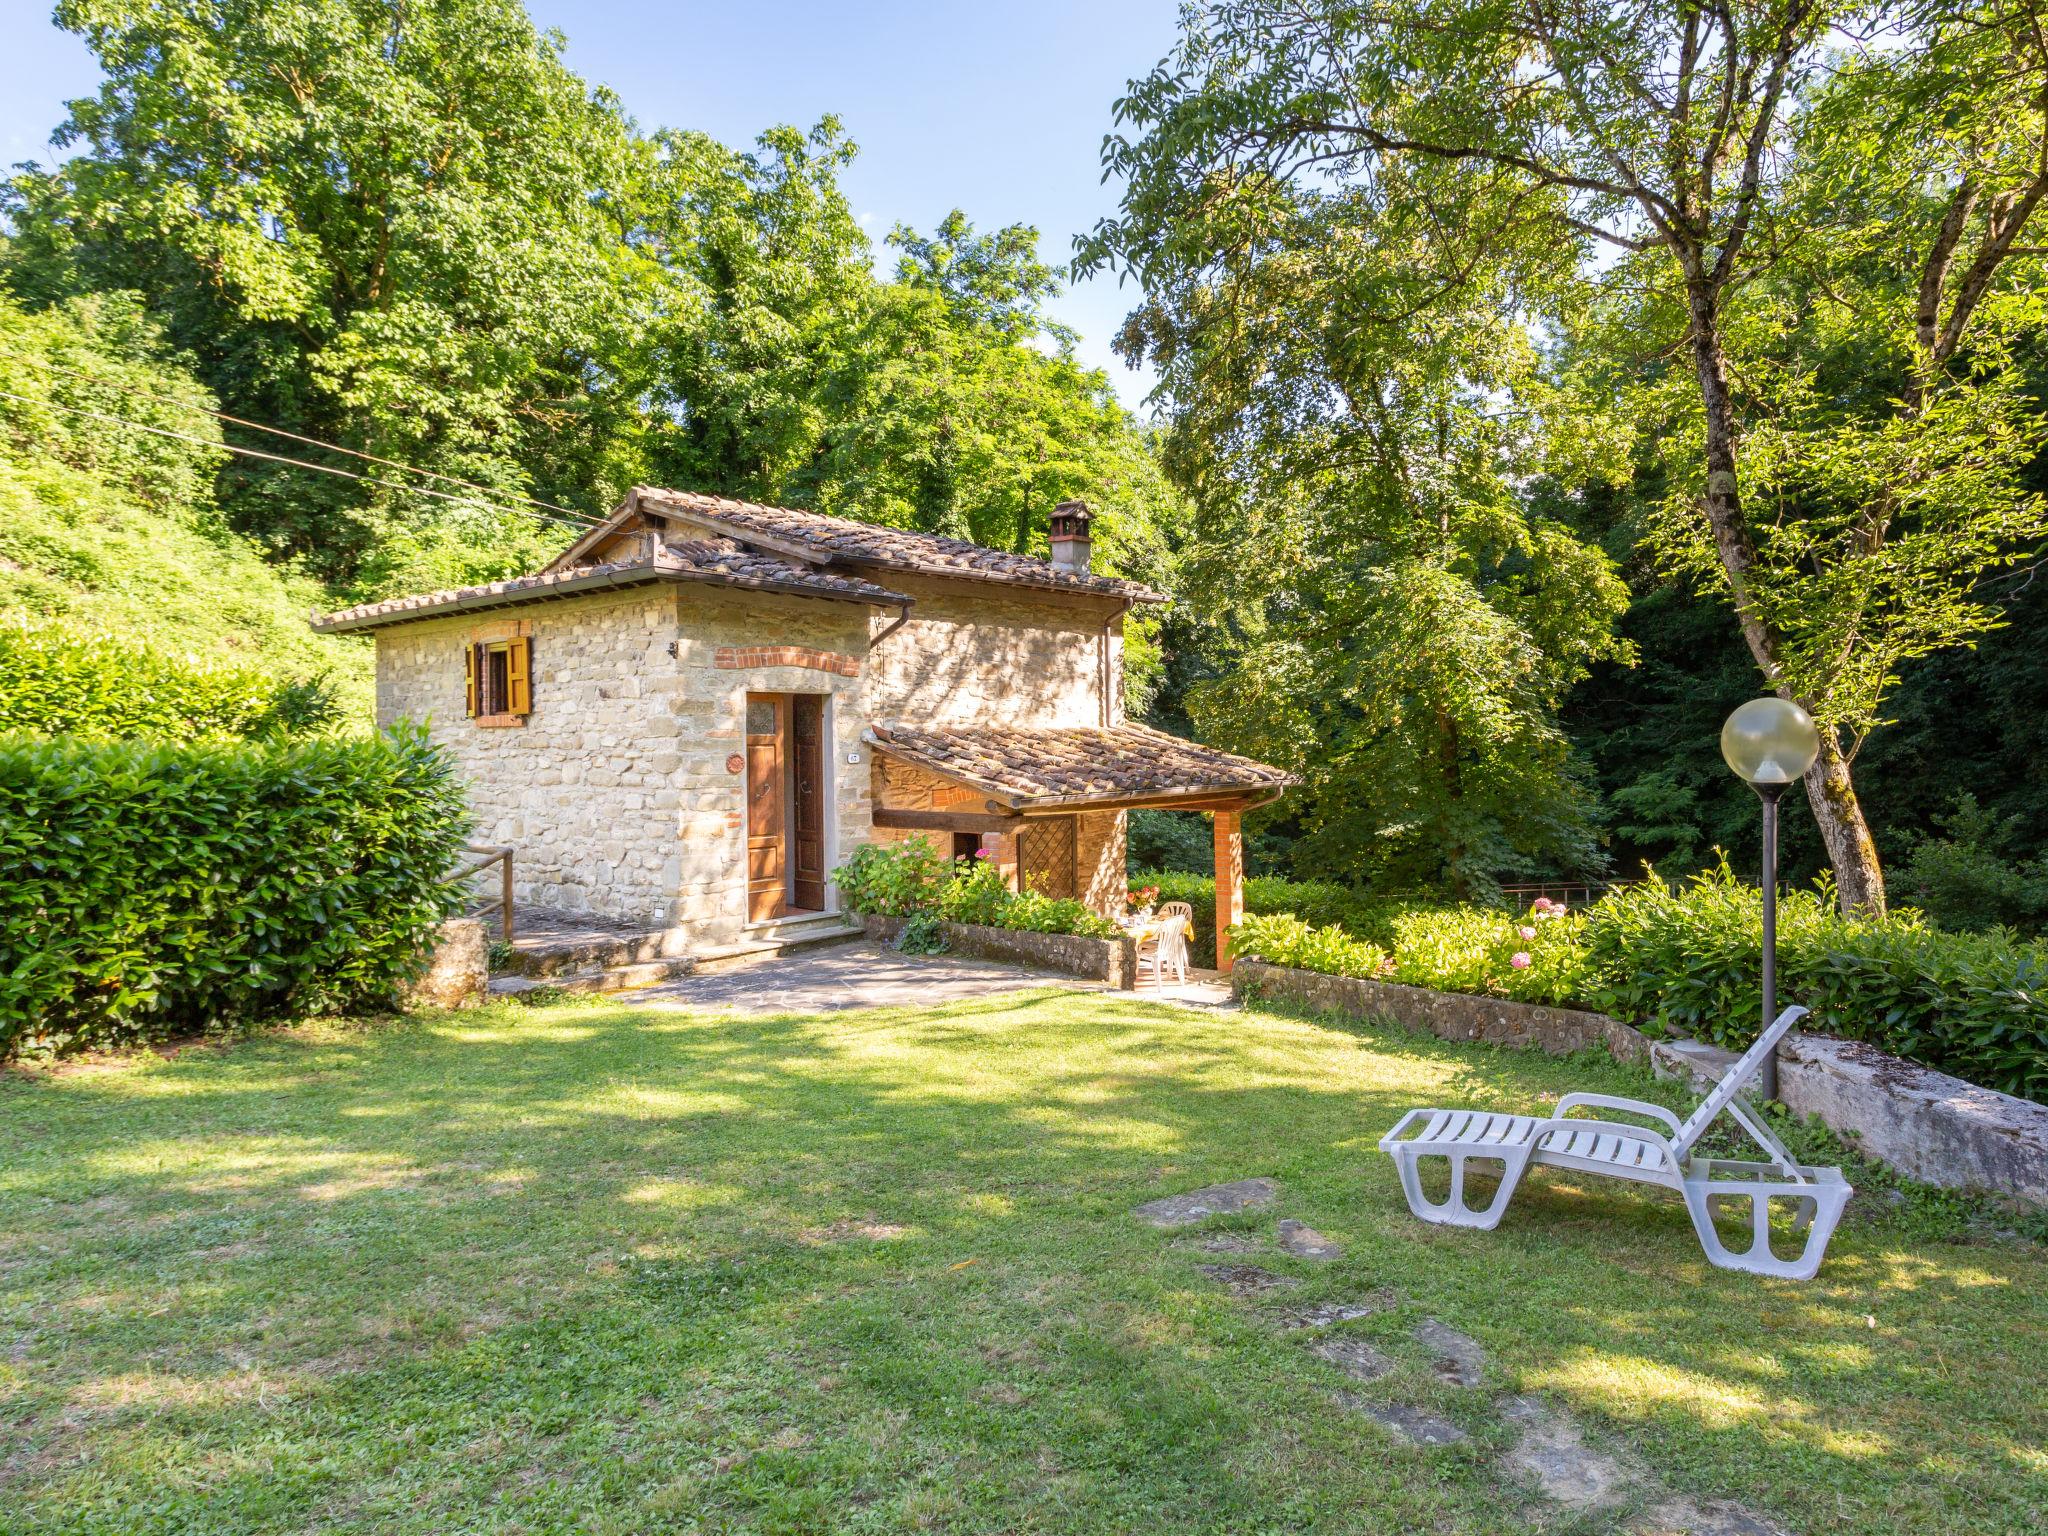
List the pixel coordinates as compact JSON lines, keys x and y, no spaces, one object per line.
{"x":702,"y":706}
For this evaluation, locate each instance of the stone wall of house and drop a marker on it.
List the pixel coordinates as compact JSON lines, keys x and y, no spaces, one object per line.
{"x":729,"y":644}
{"x":624,"y":791}
{"x":587,"y":789}
{"x":1008,"y":656}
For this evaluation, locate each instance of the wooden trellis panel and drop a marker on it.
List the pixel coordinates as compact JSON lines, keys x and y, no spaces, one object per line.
{"x":1046,"y":857}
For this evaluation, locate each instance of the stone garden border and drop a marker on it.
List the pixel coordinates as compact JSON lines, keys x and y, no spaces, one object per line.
{"x":1927,"y":1125}
{"x":1110,"y":961}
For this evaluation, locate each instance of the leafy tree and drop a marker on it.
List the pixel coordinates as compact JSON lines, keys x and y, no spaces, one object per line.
{"x":1395,"y":618}
{"x":995,"y":280}
{"x":764,"y":274}
{"x":1737,"y":159}
{"x":397,"y":227}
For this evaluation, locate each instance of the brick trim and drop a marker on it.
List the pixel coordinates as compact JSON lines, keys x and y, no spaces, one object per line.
{"x":733,"y":657}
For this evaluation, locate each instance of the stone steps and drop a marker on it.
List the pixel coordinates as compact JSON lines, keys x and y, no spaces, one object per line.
{"x":772,"y":942}
{"x":592,"y":952}
{"x":610,"y":978}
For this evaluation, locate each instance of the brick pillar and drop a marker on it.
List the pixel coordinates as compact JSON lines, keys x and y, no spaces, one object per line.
{"x":1229,"y":882}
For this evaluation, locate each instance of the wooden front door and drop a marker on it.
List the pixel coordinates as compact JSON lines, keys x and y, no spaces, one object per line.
{"x":807,"y":774}
{"x":767,"y":806}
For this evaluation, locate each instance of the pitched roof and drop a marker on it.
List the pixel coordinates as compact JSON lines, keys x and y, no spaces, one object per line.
{"x":831,"y":539}
{"x":719,"y":561}
{"x":1059,"y":765}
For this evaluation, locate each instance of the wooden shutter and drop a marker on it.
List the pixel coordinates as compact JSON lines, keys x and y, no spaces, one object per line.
{"x":518,"y":677}
{"x":469,"y":671}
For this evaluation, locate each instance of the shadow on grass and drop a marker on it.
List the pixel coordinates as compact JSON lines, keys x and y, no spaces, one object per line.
{"x":779,"y":1268}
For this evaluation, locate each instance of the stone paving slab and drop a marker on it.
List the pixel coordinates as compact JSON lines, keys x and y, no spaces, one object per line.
{"x":1552,"y":1451}
{"x":855,"y":975}
{"x":1404,"y":1421}
{"x":1457,"y":1358}
{"x":1305,"y":1242}
{"x":1327,"y":1314}
{"x":1682,"y":1517}
{"x":1355,"y":1358}
{"x":1215,"y":1200}
{"x":1246,"y":1279}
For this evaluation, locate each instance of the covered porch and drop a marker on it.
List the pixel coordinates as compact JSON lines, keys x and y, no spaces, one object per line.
{"x":1048,"y":802}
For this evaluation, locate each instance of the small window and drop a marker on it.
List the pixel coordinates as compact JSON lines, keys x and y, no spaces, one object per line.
{"x":499,"y":680}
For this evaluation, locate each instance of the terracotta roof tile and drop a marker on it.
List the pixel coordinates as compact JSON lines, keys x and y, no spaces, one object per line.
{"x":719,"y":561}
{"x":892,"y":548}
{"x":1061,"y":764}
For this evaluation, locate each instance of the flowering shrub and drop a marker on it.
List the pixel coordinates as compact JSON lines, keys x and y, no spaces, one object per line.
{"x":913,"y":879}
{"x":1533,"y":958}
{"x":1975,"y":1004}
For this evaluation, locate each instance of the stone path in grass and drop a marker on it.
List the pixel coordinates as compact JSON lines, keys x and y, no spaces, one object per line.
{"x":1551,"y":1456}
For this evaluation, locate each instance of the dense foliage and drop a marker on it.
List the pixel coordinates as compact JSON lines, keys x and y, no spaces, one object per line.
{"x":1687,"y":960}
{"x":1794,"y":329}
{"x":54,"y":682}
{"x":913,"y":880}
{"x":414,"y":232}
{"x":1284,"y":939}
{"x":1434,"y":477}
{"x":155,"y":890}
{"x":111,"y":544}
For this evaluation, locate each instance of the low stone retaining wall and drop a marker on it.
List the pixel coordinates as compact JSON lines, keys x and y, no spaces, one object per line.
{"x":1113,"y":961}
{"x":1451,"y":1015}
{"x":458,"y":971}
{"x":1929,"y":1126}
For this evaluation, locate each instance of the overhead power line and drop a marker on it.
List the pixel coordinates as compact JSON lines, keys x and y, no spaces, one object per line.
{"x":589,"y":519}
{"x":279,"y":458}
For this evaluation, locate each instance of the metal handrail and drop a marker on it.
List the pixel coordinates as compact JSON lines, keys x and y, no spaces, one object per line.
{"x":503,"y":901}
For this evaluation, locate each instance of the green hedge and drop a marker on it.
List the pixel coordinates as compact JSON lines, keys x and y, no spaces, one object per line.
{"x":54,"y":682}
{"x":148,"y":891}
{"x":1974,"y":1004}
{"x":1316,"y":903}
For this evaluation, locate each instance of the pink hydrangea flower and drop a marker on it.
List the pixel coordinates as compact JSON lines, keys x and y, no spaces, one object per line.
{"x":1540,"y":904}
{"x":1526,"y":931}
{"x":984,"y":853}
{"x":1519,"y":960}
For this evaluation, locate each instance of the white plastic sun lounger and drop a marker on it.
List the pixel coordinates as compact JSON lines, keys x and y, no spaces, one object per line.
{"x":1620,"y":1150}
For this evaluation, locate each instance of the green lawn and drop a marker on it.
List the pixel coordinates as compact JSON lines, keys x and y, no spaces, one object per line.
{"x":593,"y":1269}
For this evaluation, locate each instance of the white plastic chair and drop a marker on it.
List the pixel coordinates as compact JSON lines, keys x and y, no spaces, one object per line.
{"x":1167,"y":944}
{"x":1619,"y":1150}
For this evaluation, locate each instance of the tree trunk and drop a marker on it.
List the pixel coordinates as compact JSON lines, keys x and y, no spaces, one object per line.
{"x":1852,"y":851}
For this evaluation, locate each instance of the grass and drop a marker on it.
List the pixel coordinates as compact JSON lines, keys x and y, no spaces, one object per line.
{"x":596,"y":1270}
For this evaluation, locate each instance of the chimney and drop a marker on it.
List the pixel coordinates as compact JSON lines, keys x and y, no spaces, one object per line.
{"x":1071,"y":545}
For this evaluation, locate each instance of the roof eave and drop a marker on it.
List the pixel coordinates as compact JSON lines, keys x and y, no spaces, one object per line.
{"x":620,"y":576}
{"x":1024,"y":804}
{"x":1130,"y":595}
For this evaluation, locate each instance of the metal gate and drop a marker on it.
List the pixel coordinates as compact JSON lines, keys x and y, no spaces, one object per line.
{"x":1045,"y":856}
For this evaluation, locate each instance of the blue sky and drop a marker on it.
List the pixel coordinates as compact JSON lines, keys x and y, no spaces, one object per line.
{"x":998,"y":109}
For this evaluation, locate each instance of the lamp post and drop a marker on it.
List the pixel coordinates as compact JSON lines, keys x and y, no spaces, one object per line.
{"x":1770,"y":743}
